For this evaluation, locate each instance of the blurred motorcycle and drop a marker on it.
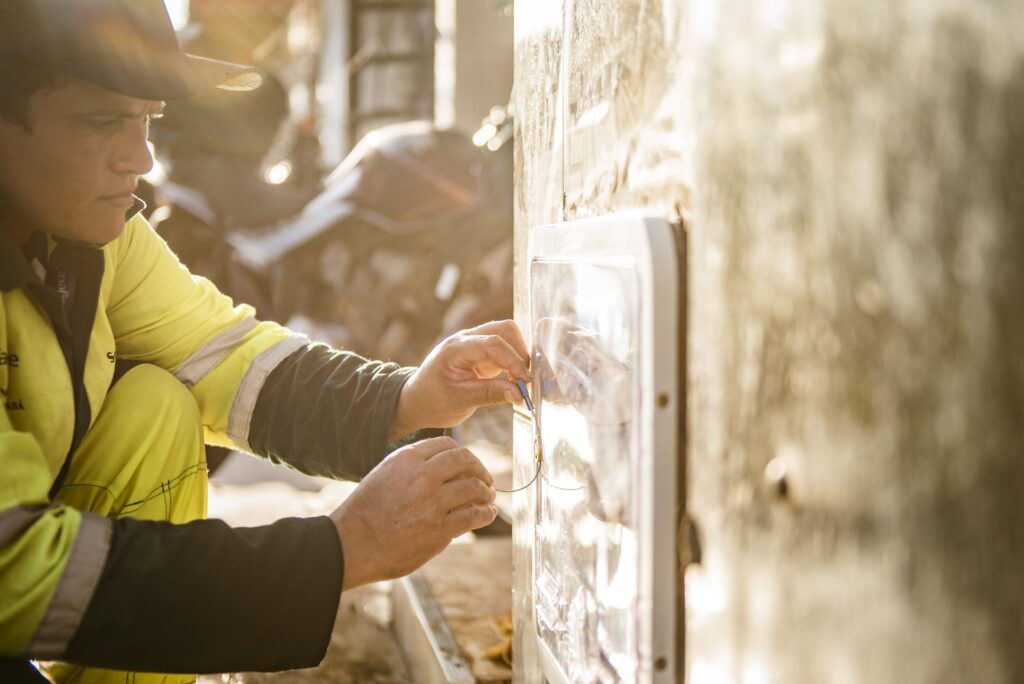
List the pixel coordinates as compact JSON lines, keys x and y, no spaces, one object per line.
{"x":409,"y":239}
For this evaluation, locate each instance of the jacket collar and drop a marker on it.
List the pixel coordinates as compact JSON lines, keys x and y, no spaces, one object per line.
{"x":15,"y":270}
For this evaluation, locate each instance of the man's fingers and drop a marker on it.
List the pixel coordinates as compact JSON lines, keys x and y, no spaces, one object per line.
{"x":507,"y":330}
{"x":491,"y":354}
{"x":428,"y":448}
{"x":463,"y":520}
{"x":461,"y":493}
{"x":458,"y":463}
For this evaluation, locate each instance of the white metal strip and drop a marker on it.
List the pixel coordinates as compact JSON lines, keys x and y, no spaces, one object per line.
{"x":249,"y":389}
{"x":75,"y":589}
{"x":424,"y":635}
{"x":206,"y":358}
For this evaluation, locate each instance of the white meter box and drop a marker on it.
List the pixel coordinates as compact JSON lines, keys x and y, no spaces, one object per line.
{"x":604,"y":317}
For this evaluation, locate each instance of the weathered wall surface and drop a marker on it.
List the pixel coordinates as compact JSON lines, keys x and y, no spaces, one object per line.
{"x":852,"y":176}
{"x":857,"y":341}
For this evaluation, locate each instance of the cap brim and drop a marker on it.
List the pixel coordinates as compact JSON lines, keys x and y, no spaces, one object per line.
{"x":166,"y":75}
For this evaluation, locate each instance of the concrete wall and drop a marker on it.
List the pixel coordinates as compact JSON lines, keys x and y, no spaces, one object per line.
{"x":851,"y":179}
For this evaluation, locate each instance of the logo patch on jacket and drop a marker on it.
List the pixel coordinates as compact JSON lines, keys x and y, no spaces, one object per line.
{"x":10,"y":359}
{"x":11,"y":404}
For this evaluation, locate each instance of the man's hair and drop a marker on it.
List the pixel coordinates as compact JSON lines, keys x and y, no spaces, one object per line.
{"x":18,"y":82}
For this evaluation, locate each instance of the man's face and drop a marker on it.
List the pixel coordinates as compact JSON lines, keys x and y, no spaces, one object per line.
{"x":72,"y":172}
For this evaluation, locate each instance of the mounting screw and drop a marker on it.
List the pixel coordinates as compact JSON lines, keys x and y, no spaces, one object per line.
{"x":661,"y":664}
{"x":662,"y":400}
{"x":775,"y":479}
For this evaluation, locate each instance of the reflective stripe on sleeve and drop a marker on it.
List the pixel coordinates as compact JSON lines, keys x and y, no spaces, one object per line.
{"x":75,"y":589}
{"x":249,"y":389}
{"x":206,"y":358}
{"x":16,"y":520}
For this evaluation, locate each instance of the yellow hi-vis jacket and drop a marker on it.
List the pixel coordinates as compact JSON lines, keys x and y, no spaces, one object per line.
{"x":133,"y":300}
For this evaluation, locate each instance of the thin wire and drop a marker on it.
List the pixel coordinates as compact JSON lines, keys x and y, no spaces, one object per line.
{"x":538,"y":473}
{"x":564,"y":489}
{"x":525,"y":486}
{"x":538,"y":449}
{"x":538,"y":453}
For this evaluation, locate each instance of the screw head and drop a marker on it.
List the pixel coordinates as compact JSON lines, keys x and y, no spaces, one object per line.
{"x":775,"y":478}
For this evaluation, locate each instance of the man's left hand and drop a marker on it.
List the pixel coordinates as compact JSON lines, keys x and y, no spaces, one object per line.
{"x":463,"y":372}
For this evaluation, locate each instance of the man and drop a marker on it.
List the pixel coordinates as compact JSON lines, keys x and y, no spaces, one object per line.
{"x":116,"y":363}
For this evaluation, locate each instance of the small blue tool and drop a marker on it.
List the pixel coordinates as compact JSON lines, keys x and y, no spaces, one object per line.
{"x":521,"y":384}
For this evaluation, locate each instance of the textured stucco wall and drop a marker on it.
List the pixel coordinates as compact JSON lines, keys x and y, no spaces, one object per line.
{"x":851,"y":175}
{"x":857,"y":330}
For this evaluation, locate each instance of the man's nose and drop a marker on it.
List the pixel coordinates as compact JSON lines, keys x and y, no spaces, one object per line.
{"x":133,"y":154}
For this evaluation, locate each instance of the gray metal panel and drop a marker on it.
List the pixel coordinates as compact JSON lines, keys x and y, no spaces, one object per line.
{"x":648,"y":244}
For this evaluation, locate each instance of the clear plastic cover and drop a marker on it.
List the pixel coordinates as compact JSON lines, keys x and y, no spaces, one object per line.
{"x":586,"y":328}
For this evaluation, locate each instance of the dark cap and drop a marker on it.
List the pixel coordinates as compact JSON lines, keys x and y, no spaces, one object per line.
{"x":128,"y":46}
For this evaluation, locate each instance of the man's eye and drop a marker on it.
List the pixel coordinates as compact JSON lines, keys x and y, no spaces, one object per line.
{"x":104,"y":124}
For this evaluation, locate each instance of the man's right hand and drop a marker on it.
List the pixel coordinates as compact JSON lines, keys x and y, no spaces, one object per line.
{"x":410,"y":507}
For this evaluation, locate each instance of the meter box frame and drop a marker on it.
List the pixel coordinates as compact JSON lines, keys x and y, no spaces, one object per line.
{"x":605,"y":330}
